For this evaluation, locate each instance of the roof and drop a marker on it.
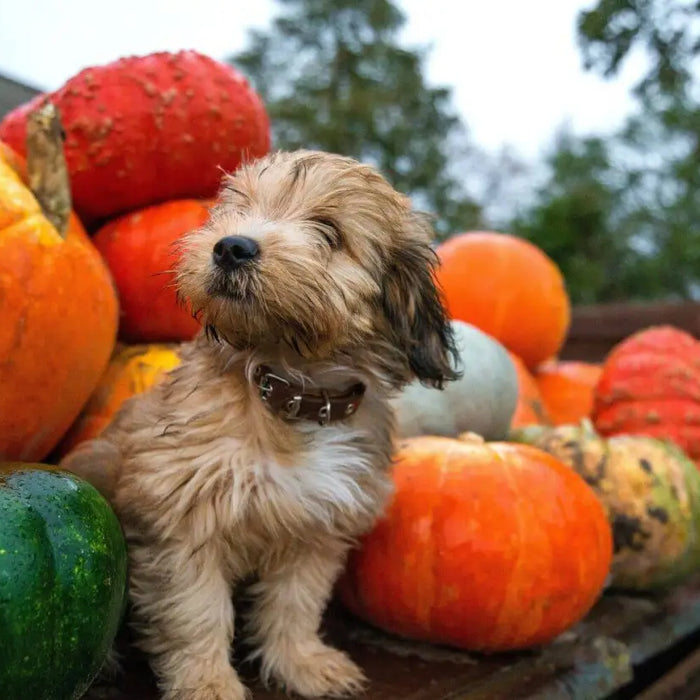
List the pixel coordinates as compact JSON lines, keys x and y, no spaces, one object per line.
{"x":14,"y":93}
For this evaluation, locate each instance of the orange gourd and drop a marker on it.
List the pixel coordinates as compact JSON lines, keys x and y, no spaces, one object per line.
{"x":132,"y":370}
{"x":509,"y":288}
{"x":567,"y":389}
{"x":485,"y":546}
{"x":530,"y":408}
{"x":59,"y":319}
{"x":139,"y":249}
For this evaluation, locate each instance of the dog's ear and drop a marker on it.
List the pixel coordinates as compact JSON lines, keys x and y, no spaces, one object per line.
{"x":413,"y":306}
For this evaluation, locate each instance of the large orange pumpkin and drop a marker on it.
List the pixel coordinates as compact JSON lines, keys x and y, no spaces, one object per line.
{"x":530,"y":408}
{"x":59,"y":319}
{"x":139,"y":249}
{"x":566,"y":387}
{"x":509,"y":288}
{"x":132,"y":370}
{"x":487,"y":547}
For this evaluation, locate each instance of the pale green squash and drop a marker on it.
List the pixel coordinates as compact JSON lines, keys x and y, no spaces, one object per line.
{"x":482,"y":401}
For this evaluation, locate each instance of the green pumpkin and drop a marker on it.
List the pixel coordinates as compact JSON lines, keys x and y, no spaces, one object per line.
{"x":482,"y":401}
{"x":651,"y":492}
{"x":62,"y":582}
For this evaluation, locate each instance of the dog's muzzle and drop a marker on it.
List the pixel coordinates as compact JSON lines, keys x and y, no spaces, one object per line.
{"x":290,"y":402}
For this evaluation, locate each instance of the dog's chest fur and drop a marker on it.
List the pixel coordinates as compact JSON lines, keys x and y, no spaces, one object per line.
{"x":216,"y":464}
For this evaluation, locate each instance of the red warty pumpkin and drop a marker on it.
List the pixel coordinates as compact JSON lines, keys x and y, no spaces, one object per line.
{"x":146,"y":129}
{"x":139,"y":250}
{"x":650,"y":385}
{"x":486,"y":547}
{"x":566,"y":387}
{"x":509,"y":288}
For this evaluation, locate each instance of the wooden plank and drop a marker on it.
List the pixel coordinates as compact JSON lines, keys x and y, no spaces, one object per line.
{"x":619,"y":320}
{"x":596,"y":329}
{"x":587,"y":663}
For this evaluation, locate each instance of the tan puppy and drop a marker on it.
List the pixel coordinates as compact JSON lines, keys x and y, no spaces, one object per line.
{"x":267,"y":451}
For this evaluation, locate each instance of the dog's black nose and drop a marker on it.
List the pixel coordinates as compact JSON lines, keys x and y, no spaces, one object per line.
{"x":233,"y":251}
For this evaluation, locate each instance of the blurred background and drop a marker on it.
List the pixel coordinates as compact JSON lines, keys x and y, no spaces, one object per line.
{"x":573,"y":123}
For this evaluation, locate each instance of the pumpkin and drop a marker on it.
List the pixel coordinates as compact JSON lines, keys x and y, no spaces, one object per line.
{"x":132,"y":370}
{"x":509,"y":288}
{"x":566,"y":387}
{"x":650,"y":385}
{"x":147,"y":129}
{"x":57,"y":302}
{"x":481,"y":401}
{"x":530,"y":407}
{"x":62,"y":582}
{"x":139,"y":251}
{"x":485,"y":546}
{"x":650,"y":491}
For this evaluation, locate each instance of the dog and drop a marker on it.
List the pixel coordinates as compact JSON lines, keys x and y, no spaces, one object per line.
{"x":267,"y":451}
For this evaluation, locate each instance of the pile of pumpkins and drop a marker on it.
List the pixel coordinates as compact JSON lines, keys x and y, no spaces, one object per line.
{"x":523,"y":490}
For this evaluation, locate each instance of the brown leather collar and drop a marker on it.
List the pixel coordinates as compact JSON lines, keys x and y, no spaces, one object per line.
{"x":289,"y":402}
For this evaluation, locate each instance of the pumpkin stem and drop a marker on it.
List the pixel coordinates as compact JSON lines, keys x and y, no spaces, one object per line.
{"x":587,"y":428}
{"x":46,"y":165}
{"x":473,"y":438}
{"x":528,"y":434}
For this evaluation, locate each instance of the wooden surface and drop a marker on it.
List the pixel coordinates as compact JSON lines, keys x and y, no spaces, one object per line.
{"x":597,"y":659}
{"x":595,"y":329}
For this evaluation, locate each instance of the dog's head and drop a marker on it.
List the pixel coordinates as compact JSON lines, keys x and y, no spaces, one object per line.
{"x":318,"y":251}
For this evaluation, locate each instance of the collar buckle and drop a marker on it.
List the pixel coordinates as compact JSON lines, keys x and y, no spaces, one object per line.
{"x":266,"y":387}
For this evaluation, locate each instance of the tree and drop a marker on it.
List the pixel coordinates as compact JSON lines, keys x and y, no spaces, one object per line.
{"x":619,"y":223}
{"x":571,"y":219}
{"x":661,"y":143}
{"x":334,"y":77}
{"x":667,"y":30}
{"x":621,"y":214}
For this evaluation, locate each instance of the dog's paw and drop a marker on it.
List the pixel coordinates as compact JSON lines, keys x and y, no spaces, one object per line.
{"x":324,"y":672}
{"x":226,"y":690}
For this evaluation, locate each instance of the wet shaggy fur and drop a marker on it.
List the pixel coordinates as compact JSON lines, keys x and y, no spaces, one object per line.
{"x":211,"y":487}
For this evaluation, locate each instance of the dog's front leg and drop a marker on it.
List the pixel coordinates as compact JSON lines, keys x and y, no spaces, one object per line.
{"x":184,"y":616}
{"x":289,"y":601}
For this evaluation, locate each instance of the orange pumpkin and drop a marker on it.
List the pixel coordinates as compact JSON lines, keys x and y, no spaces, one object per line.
{"x":509,"y":288}
{"x":530,"y":408}
{"x":567,"y":389}
{"x":139,"y":250}
{"x":132,"y":370}
{"x":485,"y":546}
{"x":59,"y":318}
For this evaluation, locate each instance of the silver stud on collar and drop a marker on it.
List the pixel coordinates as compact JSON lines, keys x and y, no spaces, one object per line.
{"x":291,"y":408}
{"x":324,"y":413}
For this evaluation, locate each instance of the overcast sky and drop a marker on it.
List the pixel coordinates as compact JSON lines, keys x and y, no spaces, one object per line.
{"x":513,"y":65}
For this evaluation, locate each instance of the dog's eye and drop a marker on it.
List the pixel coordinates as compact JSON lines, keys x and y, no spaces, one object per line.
{"x":329,"y":230}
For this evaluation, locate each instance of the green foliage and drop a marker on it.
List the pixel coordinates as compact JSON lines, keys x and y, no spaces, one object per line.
{"x":621,"y":214}
{"x":334,"y":77}
{"x":667,"y":30}
{"x":571,"y":219}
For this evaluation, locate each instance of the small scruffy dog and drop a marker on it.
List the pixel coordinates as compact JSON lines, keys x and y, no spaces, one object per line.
{"x":267,"y":451}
